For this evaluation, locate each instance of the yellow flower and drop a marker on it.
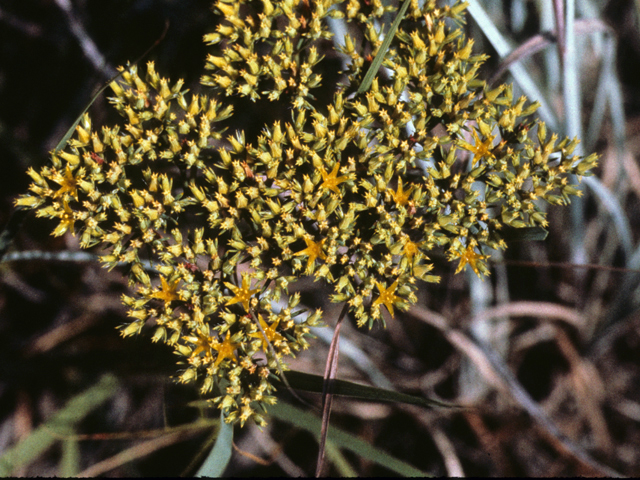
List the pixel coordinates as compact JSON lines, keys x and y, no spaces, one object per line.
{"x":269,"y":331}
{"x":400,"y":196}
{"x":66,"y":220}
{"x":313,"y":250}
{"x":68,"y":183}
{"x":410,"y":249}
{"x":242,"y":294}
{"x":480,"y":149}
{"x":225,"y":350}
{"x":168,"y":292}
{"x":387,"y":296}
{"x":470,"y":257}
{"x":330,"y":181}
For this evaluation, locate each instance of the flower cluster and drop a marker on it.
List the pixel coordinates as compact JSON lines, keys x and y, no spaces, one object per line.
{"x":356,"y":192}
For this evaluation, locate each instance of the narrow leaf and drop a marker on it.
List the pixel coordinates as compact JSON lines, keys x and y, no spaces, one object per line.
{"x":382,"y":51}
{"x":63,"y":141}
{"x":217,"y":461}
{"x":518,"y":71}
{"x":510,"y":234}
{"x":341,"y":439}
{"x":313,"y":383}
{"x":70,"y":461}
{"x":43,"y":437}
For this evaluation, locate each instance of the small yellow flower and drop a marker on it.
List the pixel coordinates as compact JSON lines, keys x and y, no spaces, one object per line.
{"x":313,"y":250}
{"x":387,"y":296}
{"x":270,"y":332}
{"x":68,"y":184}
{"x":168,"y":292}
{"x":67,"y":220}
{"x":470,"y":257}
{"x":400,"y":196}
{"x":202,"y":343}
{"x":242,"y":294}
{"x":330,"y":181}
{"x":410,"y":249}
{"x":225,"y":350}
{"x":480,"y":149}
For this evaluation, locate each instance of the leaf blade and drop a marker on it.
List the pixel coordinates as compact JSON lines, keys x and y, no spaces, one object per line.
{"x":216,"y":462}
{"x":382,"y":51}
{"x":341,"y":439}
{"x":313,"y":383}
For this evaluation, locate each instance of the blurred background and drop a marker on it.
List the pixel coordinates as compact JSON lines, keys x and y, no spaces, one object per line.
{"x":547,"y":349}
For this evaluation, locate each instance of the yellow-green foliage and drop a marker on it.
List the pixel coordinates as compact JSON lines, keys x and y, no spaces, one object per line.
{"x":339,"y":191}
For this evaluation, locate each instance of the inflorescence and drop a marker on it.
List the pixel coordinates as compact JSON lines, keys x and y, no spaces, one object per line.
{"x":356,"y":193}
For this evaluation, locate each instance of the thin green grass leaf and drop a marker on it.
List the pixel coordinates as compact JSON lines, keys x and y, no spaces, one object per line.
{"x":63,"y":141}
{"x":339,"y":461}
{"x":311,"y":423}
{"x":43,"y":437}
{"x":510,"y":234}
{"x":599,"y":109}
{"x":616,"y":105}
{"x":382,"y":51}
{"x":70,"y":461}
{"x":313,"y":383}
{"x":217,"y":461}
{"x":518,"y":15}
{"x":572,"y":102}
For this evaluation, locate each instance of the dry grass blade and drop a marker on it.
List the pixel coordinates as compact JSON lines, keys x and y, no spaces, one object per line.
{"x":590,"y":266}
{"x":138,"y":451}
{"x":532,"y":46}
{"x":589,"y":391}
{"x":539,"y":42}
{"x":327,"y":395}
{"x":89,"y":47}
{"x":448,"y":452}
{"x":497,"y":373}
{"x":558,"y":10}
{"x":275,"y":451}
{"x":533,"y":309}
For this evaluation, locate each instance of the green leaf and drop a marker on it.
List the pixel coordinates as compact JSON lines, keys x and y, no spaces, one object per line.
{"x":510,"y":234}
{"x":70,"y":461}
{"x":341,"y":439}
{"x":220,"y":455}
{"x":313,"y":383}
{"x":63,"y":141}
{"x":63,"y":421}
{"x":375,"y":65}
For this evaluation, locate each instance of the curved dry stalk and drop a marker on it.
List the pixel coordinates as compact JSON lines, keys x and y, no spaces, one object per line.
{"x":327,"y":388}
{"x":542,"y":40}
{"x":276,"y":452}
{"x":137,"y":451}
{"x":568,"y":265}
{"x":448,"y":452}
{"x":533,"y":309}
